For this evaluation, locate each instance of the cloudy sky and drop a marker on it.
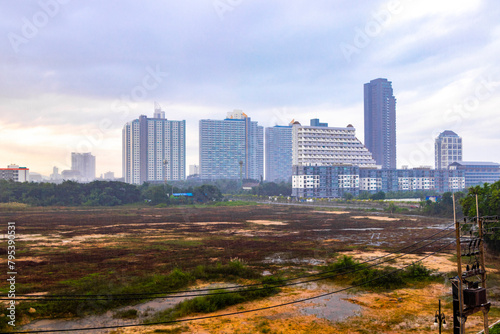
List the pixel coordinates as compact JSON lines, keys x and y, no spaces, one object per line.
{"x":74,"y":72}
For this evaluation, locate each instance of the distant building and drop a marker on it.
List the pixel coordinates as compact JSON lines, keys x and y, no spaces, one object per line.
{"x":232,"y":148}
{"x":316,"y":122}
{"x":55,"y":176}
{"x":71,"y":175}
{"x":36,"y":177}
{"x":375,"y":180}
{"x":325,"y":181}
{"x":110,"y":176}
{"x":380,"y":122}
{"x":15,"y":173}
{"x":448,"y":149}
{"x":335,"y":181}
{"x":85,"y":164}
{"x":194,"y":170}
{"x":477,"y":173}
{"x":279,"y":153}
{"x":154,"y":149}
{"x":322,"y":145}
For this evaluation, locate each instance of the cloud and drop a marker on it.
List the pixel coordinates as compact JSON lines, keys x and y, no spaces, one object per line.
{"x":86,"y":65}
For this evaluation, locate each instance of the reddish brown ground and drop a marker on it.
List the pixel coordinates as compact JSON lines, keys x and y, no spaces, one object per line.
{"x":57,"y":244}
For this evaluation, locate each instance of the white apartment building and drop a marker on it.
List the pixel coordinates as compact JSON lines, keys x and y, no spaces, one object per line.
{"x":448,"y":149}
{"x":15,"y":173}
{"x":323,"y":145}
{"x":154,"y":149}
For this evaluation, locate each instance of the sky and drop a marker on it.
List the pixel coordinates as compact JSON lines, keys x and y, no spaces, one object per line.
{"x":74,"y":72}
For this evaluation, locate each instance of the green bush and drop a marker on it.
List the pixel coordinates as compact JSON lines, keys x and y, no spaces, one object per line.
{"x":218,"y":300}
{"x":352,"y":272}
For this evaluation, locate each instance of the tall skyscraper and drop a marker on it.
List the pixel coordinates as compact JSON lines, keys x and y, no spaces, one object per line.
{"x":279,"y":153}
{"x":231,"y":148}
{"x":154,"y":149}
{"x":380,"y":122}
{"x":448,"y":149}
{"x":85,"y":164}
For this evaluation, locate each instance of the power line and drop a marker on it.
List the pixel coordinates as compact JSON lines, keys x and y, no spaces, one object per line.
{"x":239,"y":312}
{"x":269,"y":285}
{"x":159,"y":294}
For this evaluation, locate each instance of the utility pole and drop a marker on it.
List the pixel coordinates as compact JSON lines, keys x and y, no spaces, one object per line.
{"x":457,"y":289}
{"x":469,"y":287}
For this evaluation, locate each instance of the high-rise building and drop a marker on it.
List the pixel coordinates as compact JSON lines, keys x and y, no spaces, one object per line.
{"x":154,"y":149}
{"x":85,"y":164}
{"x":323,"y":145}
{"x":279,"y":153}
{"x":380,"y":122}
{"x":448,"y":149}
{"x":232,"y":148}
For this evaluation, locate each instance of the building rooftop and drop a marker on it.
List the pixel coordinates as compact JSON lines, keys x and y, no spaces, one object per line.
{"x":476,"y":163}
{"x":448,"y":133}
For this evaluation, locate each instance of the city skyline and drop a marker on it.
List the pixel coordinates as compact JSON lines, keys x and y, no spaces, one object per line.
{"x":74,"y":75}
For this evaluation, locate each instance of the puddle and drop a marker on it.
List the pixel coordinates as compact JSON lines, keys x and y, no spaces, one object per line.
{"x":376,"y":218}
{"x":284,"y":258}
{"x":144,"y":311}
{"x":266,"y":222}
{"x":333,"y":212}
{"x":363,"y":229}
{"x":334,"y":307}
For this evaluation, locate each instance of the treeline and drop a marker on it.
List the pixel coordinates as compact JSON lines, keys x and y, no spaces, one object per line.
{"x":234,"y":187}
{"x":489,"y":205}
{"x":102,"y":193}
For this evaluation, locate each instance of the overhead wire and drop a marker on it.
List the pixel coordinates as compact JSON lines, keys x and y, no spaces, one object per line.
{"x":218,"y":290}
{"x":238,"y":312}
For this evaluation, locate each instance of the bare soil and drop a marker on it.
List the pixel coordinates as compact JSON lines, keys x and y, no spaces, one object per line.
{"x":57,"y":244}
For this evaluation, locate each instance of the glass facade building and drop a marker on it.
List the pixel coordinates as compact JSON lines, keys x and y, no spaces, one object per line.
{"x":380,"y":122}
{"x":232,"y":148}
{"x":478,"y":173}
{"x":279,"y":153}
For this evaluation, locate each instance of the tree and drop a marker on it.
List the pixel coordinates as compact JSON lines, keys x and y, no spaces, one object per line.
{"x":207,"y":193}
{"x":378,"y":196}
{"x":489,"y":205}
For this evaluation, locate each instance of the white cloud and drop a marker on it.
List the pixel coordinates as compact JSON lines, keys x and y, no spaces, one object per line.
{"x":275,"y":60}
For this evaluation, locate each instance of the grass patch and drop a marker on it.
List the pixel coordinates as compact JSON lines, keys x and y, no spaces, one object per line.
{"x":175,"y":330}
{"x":126,"y":314}
{"x":217,"y":300}
{"x":231,"y":203}
{"x":14,"y":206}
{"x":184,"y":243}
{"x":350,"y":271}
{"x":112,"y":283}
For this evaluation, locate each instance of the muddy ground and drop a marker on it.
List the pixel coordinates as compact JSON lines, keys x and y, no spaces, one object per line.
{"x":57,"y":244}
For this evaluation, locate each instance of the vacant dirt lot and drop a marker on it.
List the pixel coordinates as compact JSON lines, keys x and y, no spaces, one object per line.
{"x":58,"y":244}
